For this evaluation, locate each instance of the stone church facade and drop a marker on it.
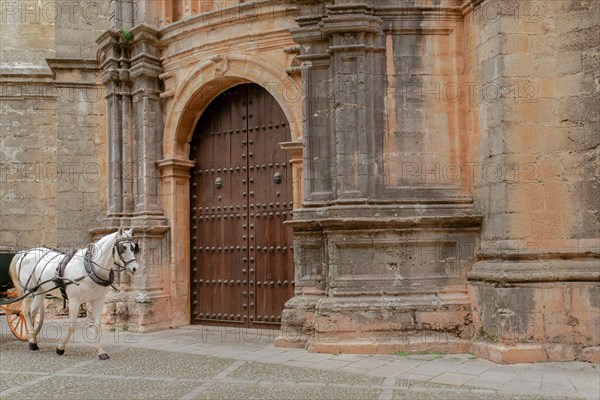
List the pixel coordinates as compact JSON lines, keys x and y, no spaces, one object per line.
{"x":373,"y":176}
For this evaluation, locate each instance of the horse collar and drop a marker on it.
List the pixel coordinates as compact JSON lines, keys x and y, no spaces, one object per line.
{"x":89,"y":268}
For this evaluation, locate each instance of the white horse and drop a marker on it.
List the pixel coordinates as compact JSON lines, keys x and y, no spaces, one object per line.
{"x":87,"y":276}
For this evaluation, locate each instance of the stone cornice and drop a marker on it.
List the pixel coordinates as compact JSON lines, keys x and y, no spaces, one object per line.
{"x":150,"y":229}
{"x":447,"y":222}
{"x":539,"y":271}
{"x":175,"y":167}
{"x":341,"y":24}
{"x":26,"y":78}
{"x":209,"y":21}
{"x":295,"y":145}
{"x":194,"y":55}
{"x":389,"y":10}
{"x":144,"y":32}
{"x":535,"y":254}
{"x":175,"y":162}
{"x":108,"y":37}
{"x":57,"y":64}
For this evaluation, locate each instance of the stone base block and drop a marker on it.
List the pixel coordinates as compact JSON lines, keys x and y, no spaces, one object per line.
{"x":382,"y":325}
{"x":591,"y":354}
{"x":348,"y":318}
{"x":536,"y":310}
{"x":298,"y":322}
{"x":509,"y":354}
{"x":515,"y":353}
{"x":288,"y":343}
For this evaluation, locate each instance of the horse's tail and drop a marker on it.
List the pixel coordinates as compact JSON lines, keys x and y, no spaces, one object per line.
{"x":14,"y":274}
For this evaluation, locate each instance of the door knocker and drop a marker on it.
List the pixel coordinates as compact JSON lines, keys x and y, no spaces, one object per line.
{"x":277,"y":177}
{"x":219,"y":183}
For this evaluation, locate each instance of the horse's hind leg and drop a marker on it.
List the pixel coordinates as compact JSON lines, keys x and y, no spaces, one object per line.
{"x":97,"y":307}
{"x":73,"y":311}
{"x":27,"y":306}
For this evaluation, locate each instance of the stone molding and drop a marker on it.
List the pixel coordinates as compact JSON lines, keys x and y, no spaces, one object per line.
{"x":56,"y":64}
{"x":174,"y":167}
{"x":210,"y":20}
{"x":386,"y":223}
{"x":537,"y":271}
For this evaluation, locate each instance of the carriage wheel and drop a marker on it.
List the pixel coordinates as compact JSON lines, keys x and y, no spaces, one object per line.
{"x":16,"y":320}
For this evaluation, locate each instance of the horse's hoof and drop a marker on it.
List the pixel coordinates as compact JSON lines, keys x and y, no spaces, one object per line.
{"x":59,"y":351}
{"x":33,"y":346}
{"x":103,"y":356}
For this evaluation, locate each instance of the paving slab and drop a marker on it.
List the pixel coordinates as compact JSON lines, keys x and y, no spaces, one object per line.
{"x":193,"y":363}
{"x":331,"y":365}
{"x":451,"y":378}
{"x":390,"y":370}
{"x":370,"y":363}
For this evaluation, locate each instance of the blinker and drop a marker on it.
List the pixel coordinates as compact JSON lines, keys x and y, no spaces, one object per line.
{"x":121,"y":247}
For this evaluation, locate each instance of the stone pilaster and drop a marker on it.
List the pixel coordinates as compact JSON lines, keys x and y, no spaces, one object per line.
{"x":113,"y":51}
{"x":317,"y":89}
{"x":131,"y":76}
{"x":175,"y":196}
{"x":147,"y":124}
{"x":375,"y":256}
{"x":131,"y":70}
{"x":357,"y":55}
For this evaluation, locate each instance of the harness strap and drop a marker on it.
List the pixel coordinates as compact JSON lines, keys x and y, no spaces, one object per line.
{"x":89,"y":268}
{"x":60,"y":272}
{"x":26,"y":286}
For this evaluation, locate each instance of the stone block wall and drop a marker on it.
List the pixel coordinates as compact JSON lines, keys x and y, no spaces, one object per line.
{"x":52,"y":136}
{"x":536,"y":280}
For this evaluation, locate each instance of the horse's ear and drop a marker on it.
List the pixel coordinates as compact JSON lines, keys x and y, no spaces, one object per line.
{"x":129,"y":232}
{"x":120,"y":232}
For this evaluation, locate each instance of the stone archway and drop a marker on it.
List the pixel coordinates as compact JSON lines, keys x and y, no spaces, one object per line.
{"x":183,"y":110}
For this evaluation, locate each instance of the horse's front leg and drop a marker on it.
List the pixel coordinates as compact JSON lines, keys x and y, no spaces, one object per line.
{"x":97,"y":307}
{"x":73,"y":311}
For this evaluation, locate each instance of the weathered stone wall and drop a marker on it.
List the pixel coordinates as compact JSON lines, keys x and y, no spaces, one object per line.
{"x":420,"y":122}
{"x":27,"y":127}
{"x":53,"y":166}
{"x":538,"y":122}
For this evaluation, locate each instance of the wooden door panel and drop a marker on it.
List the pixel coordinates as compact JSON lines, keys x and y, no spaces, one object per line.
{"x":271,"y":200}
{"x":242,"y":265}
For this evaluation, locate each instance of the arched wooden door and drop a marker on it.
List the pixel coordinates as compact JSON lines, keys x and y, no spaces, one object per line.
{"x":241,"y":193}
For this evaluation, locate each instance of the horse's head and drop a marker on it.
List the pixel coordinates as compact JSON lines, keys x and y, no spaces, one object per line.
{"x":127,"y":248}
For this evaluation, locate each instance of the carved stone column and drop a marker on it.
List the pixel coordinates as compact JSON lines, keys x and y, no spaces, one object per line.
{"x":113,"y":51}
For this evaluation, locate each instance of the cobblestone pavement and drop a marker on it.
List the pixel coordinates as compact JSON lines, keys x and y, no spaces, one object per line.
{"x":226,"y":363}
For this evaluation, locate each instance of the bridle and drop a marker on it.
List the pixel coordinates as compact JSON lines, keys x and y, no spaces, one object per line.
{"x":119,"y":246}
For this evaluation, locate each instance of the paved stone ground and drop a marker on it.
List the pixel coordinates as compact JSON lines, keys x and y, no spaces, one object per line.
{"x":226,"y":363}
